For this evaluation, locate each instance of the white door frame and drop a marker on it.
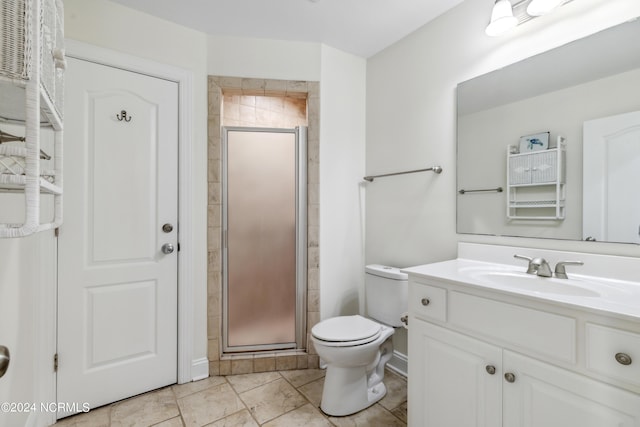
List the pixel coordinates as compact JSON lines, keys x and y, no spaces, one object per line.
{"x":184,"y":79}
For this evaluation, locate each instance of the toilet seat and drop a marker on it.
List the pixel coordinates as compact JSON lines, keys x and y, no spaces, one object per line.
{"x":343,"y":331}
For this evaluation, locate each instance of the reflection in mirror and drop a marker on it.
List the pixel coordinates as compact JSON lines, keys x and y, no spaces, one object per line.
{"x":611,"y":208}
{"x":560,"y":92}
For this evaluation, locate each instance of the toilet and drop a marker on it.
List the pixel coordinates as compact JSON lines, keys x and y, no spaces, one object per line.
{"x":356,"y":349}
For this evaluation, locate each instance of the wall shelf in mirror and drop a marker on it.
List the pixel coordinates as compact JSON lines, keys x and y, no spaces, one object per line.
{"x":536,"y":184}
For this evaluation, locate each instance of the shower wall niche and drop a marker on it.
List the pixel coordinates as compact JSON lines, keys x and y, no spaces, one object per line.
{"x":259,"y":103}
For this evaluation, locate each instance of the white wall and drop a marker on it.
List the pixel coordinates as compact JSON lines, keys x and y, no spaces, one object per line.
{"x":342,"y":147}
{"x":263,"y":59}
{"x":118,"y":28}
{"x":411,"y":124}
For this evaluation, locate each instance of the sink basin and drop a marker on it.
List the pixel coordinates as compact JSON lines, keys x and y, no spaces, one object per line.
{"x":533,"y":283}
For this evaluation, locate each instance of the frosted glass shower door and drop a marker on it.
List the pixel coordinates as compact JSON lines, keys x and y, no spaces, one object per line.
{"x":262,"y":230}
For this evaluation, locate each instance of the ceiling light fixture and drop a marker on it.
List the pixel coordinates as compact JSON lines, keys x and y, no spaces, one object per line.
{"x":541,"y":7}
{"x":502,"y":19}
{"x":507,"y":14}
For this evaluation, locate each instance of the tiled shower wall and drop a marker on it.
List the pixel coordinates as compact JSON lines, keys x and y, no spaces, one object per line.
{"x":260,"y":103}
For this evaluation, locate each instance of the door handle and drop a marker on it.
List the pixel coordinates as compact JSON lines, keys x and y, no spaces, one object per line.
{"x":167,"y":248}
{"x":5,"y":358}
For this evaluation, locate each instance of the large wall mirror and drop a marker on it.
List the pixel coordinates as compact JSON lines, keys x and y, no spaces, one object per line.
{"x":587,"y":92}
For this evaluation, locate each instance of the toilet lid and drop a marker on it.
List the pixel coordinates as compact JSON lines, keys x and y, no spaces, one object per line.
{"x":346,"y":329}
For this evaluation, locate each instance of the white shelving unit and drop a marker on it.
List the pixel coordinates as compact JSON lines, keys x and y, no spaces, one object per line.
{"x":536,"y":184}
{"x":31,"y":95}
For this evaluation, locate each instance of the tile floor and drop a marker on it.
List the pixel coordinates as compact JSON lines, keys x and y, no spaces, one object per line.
{"x":270,"y":399}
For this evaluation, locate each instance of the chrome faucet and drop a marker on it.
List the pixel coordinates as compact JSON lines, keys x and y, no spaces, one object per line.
{"x":560,"y":272}
{"x":538,"y":266}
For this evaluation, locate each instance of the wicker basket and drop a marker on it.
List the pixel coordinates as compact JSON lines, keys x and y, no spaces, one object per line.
{"x":16,"y":45}
{"x":13,"y":161}
{"x":15,"y":28}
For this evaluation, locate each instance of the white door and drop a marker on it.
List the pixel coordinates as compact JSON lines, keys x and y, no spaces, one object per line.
{"x":454,"y":380}
{"x":611,"y":168}
{"x":117,"y":291}
{"x":543,"y":395}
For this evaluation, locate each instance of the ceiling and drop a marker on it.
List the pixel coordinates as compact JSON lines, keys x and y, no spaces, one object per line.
{"x":360,"y":27}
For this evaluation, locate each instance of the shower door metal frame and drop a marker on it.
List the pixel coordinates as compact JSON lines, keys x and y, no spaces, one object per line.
{"x":301,"y":241}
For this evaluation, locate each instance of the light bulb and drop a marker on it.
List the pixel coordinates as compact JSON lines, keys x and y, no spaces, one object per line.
{"x":502,"y":18}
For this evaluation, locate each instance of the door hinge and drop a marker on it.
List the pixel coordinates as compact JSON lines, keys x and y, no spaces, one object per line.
{"x":55,"y":362}
{"x":56,"y":232}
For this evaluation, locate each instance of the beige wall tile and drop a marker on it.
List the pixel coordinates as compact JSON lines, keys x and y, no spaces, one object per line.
{"x":313,"y":277}
{"x":313,"y":297}
{"x":253,"y":86}
{"x":295,"y":86}
{"x":213,"y":349}
{"x":314,"y":361}
{"x":214,"y":368}
{"x":286,"y":362}
{"x":225,"y":367}
{"x":276,"y":87}
{"x":264,"y":363}
{"x":314,"y":257}
{"x":302,"y":361}
{"x":241,"y":366}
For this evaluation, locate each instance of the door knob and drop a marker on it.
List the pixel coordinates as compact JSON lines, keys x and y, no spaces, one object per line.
{"x":167,"y":248}
{"x":510,"y":377}
{"x":490,"y":369}
{"x":5,"y":357}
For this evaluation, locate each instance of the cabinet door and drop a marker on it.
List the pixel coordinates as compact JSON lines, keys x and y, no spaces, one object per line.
{"x":544,"y":166}
{"x":449,"y":383}
{"x":546,"y":396}
{"x":519,"y":170}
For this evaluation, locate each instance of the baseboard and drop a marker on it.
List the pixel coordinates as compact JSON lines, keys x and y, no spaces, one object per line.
{"x":398,"y":363}
{"x":199,"y":369}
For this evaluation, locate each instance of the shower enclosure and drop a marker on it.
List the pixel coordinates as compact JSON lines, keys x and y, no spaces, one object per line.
{"x":264,"y":238}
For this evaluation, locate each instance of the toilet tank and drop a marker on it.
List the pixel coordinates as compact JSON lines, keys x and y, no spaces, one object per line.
{"x":386,"y":291}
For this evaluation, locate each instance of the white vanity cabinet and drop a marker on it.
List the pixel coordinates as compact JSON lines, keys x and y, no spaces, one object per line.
{"x":490,"y":359}
{"x":450,"y":379}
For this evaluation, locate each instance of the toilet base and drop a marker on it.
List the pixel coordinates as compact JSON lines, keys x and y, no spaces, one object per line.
{"x":345,"y":391}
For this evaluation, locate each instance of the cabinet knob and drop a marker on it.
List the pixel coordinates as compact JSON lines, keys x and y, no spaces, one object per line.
{"x":510,"y":377}
{"x":425,"y":301}
{"x":490,"y":369}
{"x":623,"y":358}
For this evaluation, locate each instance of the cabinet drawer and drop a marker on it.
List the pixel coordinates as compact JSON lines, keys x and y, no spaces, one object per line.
{"x":429,"y":302}
{"x":607,"y":351}
{"x":547,"y":334}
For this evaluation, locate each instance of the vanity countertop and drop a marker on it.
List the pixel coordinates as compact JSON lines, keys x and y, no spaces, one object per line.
{"x":614,"y":297}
